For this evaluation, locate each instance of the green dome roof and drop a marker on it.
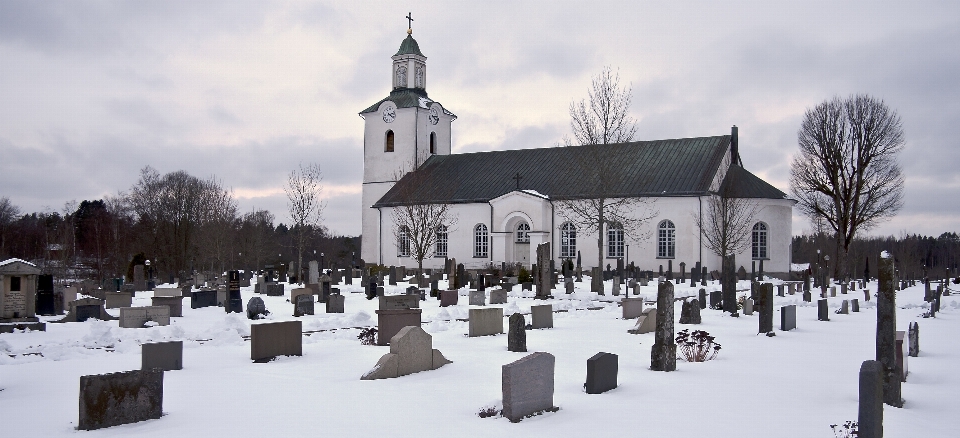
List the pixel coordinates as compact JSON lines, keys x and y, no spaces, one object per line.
{"x":409,"y":46}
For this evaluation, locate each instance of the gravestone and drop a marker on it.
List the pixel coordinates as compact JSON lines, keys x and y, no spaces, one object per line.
{"x":870,"y":409}
{"x":646,"y":322}
{"x":167,"y":356}
{"x":335,"y":302}
{"x":913,"y":333}
{"x":394,"y":302}
{"x":84,"y":309}
{"x":498,"y":296}
{"x":887,"y":331}
{"x":596,"y":281}
{"x":632,"y":307}
{"x":45,"y":300}
{"x":716,"y":299}
{"x":222,"y":295}
{"x":742,"y":274}
{"x":765,"y":306}
{"x":269,"y":340}
{"x":274,"y":289}
{"x":544,"y":274}
{"x":256,"y":309}
{"x":541,"y":316}
{"x":601,"y":373}
{"x":174,"y":303}
{"x":203,"y":298}
{"x":902,"y":355}
{"x":478,"y":298}
{"x":748,"y":306}
{"x":616,"y":287}
{"x":690,"y":312}
{"x":167,"y":292}
{"x":703,"y":299}
{"x":568,"y":285}
{"x":449,"y":297}
{"x":139,"y":282}
{"x":298,"y":291}
{"x":844,"y":308}
{"x":728,"y":284}
{"x":823,"y":311}
{"x":116,"y":300}
{"x":120,"y":398}
{"x":411,"y":351}
{"x":663,"y":355}
{"x":528,"y":386}
{"x":303,"y":305}
{"x":517,"y":333}
{"x":854,"y":305}
{"x":389,"y":322}
{"x":788,"y":317}
{"x":313,"y":275}
{"x":485,"y":322}
{"x":137,"y":317}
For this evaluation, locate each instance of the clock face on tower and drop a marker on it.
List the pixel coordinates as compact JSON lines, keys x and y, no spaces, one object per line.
{"x":434,"y":116}
{"x":389,"y":114}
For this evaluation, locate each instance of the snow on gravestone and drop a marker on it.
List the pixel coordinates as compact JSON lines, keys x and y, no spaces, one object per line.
{"x":527,"y":386}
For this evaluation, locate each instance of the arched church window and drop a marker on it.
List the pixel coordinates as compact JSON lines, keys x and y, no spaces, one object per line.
{"x":666,"y":240}
{"x":388,"y":143}
{"x":433,"y":142}
{"x":441,"y":246}
{"x":403,"y":242}
{"x":401,"y":76}
{"x":614,"y":240}
{"x":568,"y":240}
{"x":481,"y":241}
{"x":759,"y":241}
{"x":523,"y":233}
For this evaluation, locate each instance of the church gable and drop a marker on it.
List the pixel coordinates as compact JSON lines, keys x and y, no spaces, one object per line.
{"x":674,"y":167}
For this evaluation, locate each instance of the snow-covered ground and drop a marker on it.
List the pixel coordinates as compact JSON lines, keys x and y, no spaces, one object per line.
{"x":795,"y":384}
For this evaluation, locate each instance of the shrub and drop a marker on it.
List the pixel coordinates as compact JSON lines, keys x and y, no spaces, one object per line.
{"x":489,"y":411}
{"x":524,"y":276}
{"x":368,"y":336}
{"x":850,"y":429}
{"x":697,"y":347}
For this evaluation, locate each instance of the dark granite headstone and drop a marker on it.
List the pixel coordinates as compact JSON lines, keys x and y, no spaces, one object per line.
{"x":303,"y":306}
{"x":256,"y":309}
{"x":516,"y":333}
{"x":854,"y":305}
{"x":913,"y":333}
{"x":663,"y":355}
{"x":765,"y":307}
{"x":335,"y":302}
{"x":823,"y":311}
{"x":870,"y":411}
{"x":449,"y":298}
{"x":45,"y":296}
{"x":601,"y":373}
{"x":703,"y":299}
{"x":887,"y":331}
{"x":203,"y":298}
{"x":788,"y":317}
{"x":167,"y":356}
{"x":120,"y":398}
{"x":389,"y":322}
{"x":269,"y":340}
{"x":729,"y":284}
{"x":716,"y":299}
{"x":690,"y":312}
{"x":87,"y":312}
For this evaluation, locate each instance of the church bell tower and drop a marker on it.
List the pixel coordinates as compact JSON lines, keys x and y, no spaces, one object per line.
{"x":401,"y":132}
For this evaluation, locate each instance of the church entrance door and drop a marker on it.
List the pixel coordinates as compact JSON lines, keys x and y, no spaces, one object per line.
{"x":521,"y":253}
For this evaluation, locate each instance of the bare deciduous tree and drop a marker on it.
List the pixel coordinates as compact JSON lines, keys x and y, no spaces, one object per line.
{"x":417,"y":227}
{"x":727,"y":223}
{"x":846,"y":172}
{"x":303,"y":191}
{"x":603,"y":119}
{"x":8,"y":214}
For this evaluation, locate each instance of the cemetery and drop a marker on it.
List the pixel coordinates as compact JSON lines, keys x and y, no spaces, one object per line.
{"x":523,"y":361}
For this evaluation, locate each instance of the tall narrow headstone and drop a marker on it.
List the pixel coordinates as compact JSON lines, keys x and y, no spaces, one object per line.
{"x":516,"y":333}
{"x":545,"y":274}
{"x":690,"y":312}
{"x":913,"y":333}
{"x":870,"y":412}
{"x":788,"y":317}
{"x":823,"y":311}
{"x":703,"y":299}
{"x":887,"y":331}
{"x":729,"y":284}
{"x":765,"y":306}
{"x":234,"y":302}
{"x":663,"y":355}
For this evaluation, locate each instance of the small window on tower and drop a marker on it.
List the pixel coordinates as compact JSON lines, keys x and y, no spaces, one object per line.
{"x":433,"y":142}
{"x":388,"y":145}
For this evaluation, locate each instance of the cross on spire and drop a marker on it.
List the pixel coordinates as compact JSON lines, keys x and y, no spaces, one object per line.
{"x":518,"y":178}
{"x":409,"y":18}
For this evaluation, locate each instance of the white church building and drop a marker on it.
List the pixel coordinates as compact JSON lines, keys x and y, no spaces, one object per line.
{"x":507,"y":202}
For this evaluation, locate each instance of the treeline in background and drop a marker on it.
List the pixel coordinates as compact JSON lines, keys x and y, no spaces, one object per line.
{"x":179,"y":222}
{"x":914,"y":255}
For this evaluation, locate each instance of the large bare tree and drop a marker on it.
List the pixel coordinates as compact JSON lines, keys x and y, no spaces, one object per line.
{"x":304,"y":189}
{"x":727,"y":223}
{"x":8,"y":214}
{"x":604,"y":118}
{"x":418,"y":226}
{"x":846,"y":172}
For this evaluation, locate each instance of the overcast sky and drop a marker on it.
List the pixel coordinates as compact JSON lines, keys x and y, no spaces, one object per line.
{"x":91,"y":92}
